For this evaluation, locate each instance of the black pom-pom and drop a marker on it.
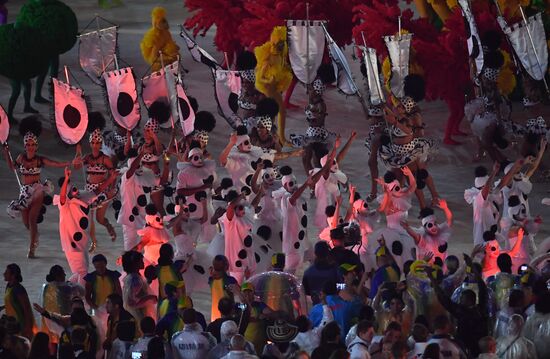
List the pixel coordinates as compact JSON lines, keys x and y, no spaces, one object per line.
{"x":264,"y":232}
{"x":493,"y":60}
{"x":194,"y":103}
{"x":326,"y":73}
{"x":194,"y":144}
{"x":481,"y":171}
{"x":268,"y":164}
{"x":513,"y":201}
{"x":285,"y":170}
{"x":171,"y":208}
{"x":204,"y":121}
{"x":226,"y":183}
{"x":30,"y":124}
{"x":160,"y":111}
{"x":267,"y":107}
{"x":491,"y":40}
{"x":117,"y":205}
{"x":151,"y":209}
{"x":246,"y":60}
{"x":231,"y":195}
{"x":425,"y":212}
{"x":208,"y":180}
{"x":168,"y":191}
{"x":95,"y":120}
{"x":415,"y":87}
{"x":488,"y":236}
{"x":389,"y":177}
{"x":241,"y":131}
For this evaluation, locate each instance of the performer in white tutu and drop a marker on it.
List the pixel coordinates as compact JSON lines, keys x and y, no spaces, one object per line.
{"x":153,"y":235}
{"x":293,"y":211}
{"x":238,"y":156}
{"x":33,"y":190}
{"x":395,"y":204}
{"x":327,"y":189}
{"x":431,"y":240}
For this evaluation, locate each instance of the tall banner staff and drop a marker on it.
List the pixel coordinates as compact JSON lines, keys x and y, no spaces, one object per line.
{"x":4,"y":134}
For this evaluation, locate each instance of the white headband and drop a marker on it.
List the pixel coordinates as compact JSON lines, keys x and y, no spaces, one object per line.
{"x":481,"y":181}
{"x":154,"y":220}
{"x":288,"y":178}
{"x":194,"y":151}
{"x":390,"y":186}
{"x":241,"y":139}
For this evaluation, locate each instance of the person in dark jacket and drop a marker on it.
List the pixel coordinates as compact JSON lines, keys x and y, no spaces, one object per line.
{"x":321,"y":271}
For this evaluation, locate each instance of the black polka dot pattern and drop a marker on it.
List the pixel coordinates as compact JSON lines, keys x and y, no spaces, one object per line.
{"x":171,"y":208}
{"x":86,"y":210}
{"x":257,"y":257}
{"x":199,"y":269}
{"x":297,"y":245}
{"x":233,"y":102}
{"x":397,"y":248}
{"x":304,"y":206}
{"x":142,"y":200}
{"x":442,"y":248}
{"x":301,"y":235}
{"x":303,"y":221}
{"x":264,"y":232}
{"x":238,"y":264}
{"x":264,"y":248}
{"x":83,"y":223}
{"x":135,"y":211}
{"x":185,"y":109}
{"x":200,"y":195}
{"x":242,"y":254}
{"x":248,"y":241}
{"x":192,"y":207}
{"x":131,"y":218}
{"x":78,"y":236}
{"x":124,"y":104}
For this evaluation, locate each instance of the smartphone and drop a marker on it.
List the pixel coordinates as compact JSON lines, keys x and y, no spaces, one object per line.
{"x":523,"y":268}
{"x":242,"y":306}
{"x":340,"y":286}
{"x":137,"y":355}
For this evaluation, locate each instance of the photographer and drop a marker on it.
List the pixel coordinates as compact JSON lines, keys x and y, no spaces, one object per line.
{"x":340,"y":237}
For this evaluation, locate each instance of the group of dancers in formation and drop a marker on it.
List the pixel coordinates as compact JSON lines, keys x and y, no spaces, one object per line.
{"x":255,"y":206}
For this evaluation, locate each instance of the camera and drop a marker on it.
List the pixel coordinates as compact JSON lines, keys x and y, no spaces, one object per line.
{"x":137,"y":355}
{"x":352,"y":234}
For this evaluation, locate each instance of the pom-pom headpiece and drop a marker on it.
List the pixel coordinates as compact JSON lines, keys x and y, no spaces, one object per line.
{"x":242,"y":135}
{"x":246,"y":60}
{"x":205,"y":122}
{"x":96,"y":123}
{"x":414,"y":87}
{"x":30,"y":128}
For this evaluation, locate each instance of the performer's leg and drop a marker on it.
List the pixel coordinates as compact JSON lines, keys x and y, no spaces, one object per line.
{"x":157,"y":198}
{"x":450,"y":125}
{"x":100,"y":216}
{"x":282,"y":117}
{"x":53,"y":70}
{"x":15,"y":91}
{"x":27,"y":86}
{"x":288,"y":94}
{"x":307,"y":156}
{"x":34,"y":211}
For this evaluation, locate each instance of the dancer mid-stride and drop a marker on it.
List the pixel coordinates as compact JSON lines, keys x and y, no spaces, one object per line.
{"x":31,"y":193}
{"x":99,"y":168}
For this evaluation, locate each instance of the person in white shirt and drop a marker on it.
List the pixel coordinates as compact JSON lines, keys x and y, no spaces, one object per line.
{"x":125,"y":337}
{"x":448,"y":347}
{"x":238,"y":351}
{"x":191,"y":342}
{"x":147,"y":326}
{"x":418,"y":340}
{"x":309,"y":338}
{"x":359,"y":347}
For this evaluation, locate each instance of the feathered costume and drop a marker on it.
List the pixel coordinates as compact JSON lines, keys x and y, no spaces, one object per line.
{"x":158,"y":39}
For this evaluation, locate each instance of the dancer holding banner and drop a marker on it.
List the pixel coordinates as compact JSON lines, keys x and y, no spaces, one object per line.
{"x":33,"y":189}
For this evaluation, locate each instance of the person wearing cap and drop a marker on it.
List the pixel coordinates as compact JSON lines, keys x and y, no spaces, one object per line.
{"x":339,"y":253}
{"x":195,"y":179}
{"x":254,"y":315}
{"x":191,"y":342}
{"x":387,"y":269}
{"x":319,"y":272}
{"x":483,"y":199}
{"x":99,"y":284}
{"x":227,"y":331}
{"x":176,"y":300}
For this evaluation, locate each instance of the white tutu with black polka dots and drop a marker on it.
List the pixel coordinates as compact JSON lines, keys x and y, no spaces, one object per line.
{"x":398,"y":156}
{"x":312,"y":135}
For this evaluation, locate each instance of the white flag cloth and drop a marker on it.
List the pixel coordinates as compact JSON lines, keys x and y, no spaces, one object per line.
{"x":155,"y":88}
{"x":305,"y":70}
{"x":473,"y":39}
{"x":97,"y":51}
{"x":122,"y":96}
{"x":70,"y":111}
{"x":376,"y":95}
{"x":197,"y":52}
{"x":179,"y":103}
{"x":4,"y":126}
{"x":344,"y":78}
{"x":519,"y":37}
{"x":227,"y":89}
{"x":398,"y":49}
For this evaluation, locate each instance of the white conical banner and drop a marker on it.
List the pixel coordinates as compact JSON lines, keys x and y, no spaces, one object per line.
{"x":305,"y":62}
{"x":70,"y":112}
{"x":534,"y":59}
{"x":398,"y":50}
{"x":122,"y":96}
{"x":198,"y":53}
{"x":179,"y":103}
{"x":472,"y":35}
{"x":344,"y":78}
{"x":376,"y":96}
{"x":155,"y":88}
{"x":97,"y":51}
{"x":227,"y":89}
{"x":4,"y":126}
